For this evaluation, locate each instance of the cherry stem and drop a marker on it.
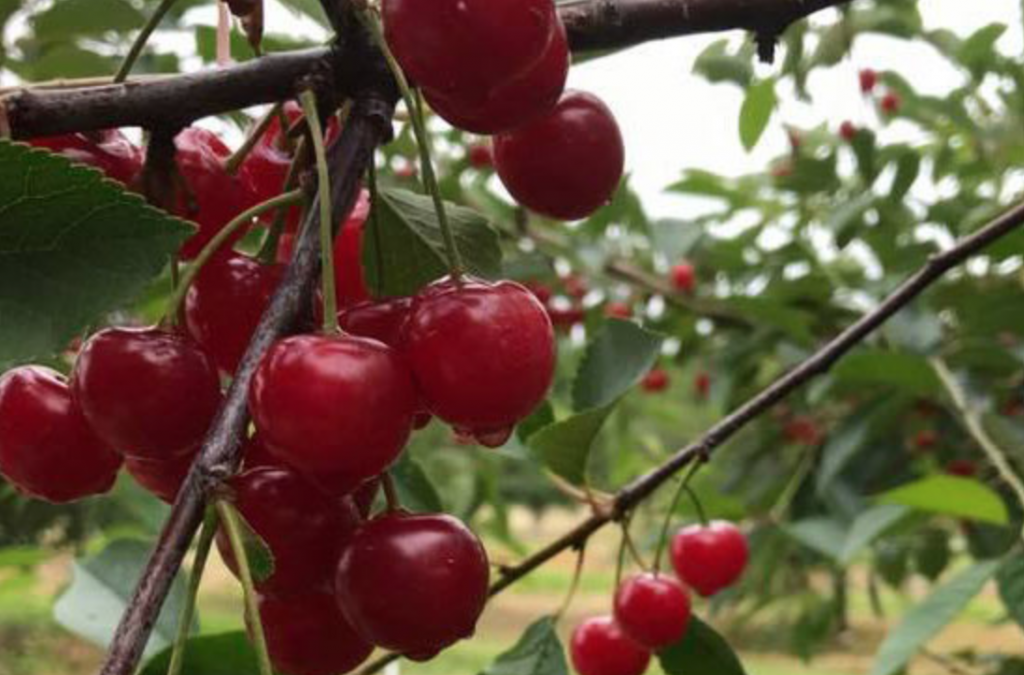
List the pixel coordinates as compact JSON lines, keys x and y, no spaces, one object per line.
{"x":177,"y":300}
{"x":574,"y":586}
{"x":203,"y":546}
{"x":378,"y":247}
{"x":390,"y":492}
{"x":684,"y":486}
{"x":620,"y":562}
{"x":234,"y":162}
{"x":330,"y":327}
{"x":229,"y":519}
{"x":141,"y":40}
{"x":414,"y":103}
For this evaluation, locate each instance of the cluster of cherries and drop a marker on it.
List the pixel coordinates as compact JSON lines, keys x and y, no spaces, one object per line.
{"x":499,"y":67}
{"x":889,"y":103}
{"x":652,"y":611}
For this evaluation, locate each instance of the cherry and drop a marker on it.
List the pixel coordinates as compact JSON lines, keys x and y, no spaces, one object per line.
{"x":482,"y":353}
{"x":107,"y":150}
{"x":225,"y":303}
{"x":652,"y":609}
{"x":684,"y":277}
{"x":600,"y":647}
{"x":926,"y":439}
{"x":702,"y":384}
{"x":468,"y":46}
{"x":847,"y":131}
{"x":148,"y":392}
{"x":868,"y":79}
{"x":307,"y":634}
{"x":413,"y":583}
{"x":47,"y":449}
{"x":339,"y":406}
{"x":480,"y":156}
{"x":348,"y":254}
{"x":891,"y":103}
{"x":655,"y":380}
{"x":565,"y":318}
{"x":213,"y":197}
{"x":242,"y":8}
{"x":304,"y":528}
{"x":802,"y":429}
{"x":540,"y":162}
{"x":365,"y":495}
{"x":382,"y":320}
{"x":710,"y":558}
{"x":265,"y":169}
{"x":540,"y":290}
{"x":575,"y":286}
{"x":965,"y":468}
{"x":161,"y":478}
{"x":514,"y":102}
{"x":618,"y":310}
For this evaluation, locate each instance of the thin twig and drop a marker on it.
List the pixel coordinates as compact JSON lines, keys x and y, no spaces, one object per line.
{"x":141,"y":39}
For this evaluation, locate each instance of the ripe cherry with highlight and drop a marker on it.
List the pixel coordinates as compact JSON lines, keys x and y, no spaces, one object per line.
{"x":600,"y":647}
{"x":709,"y":559}
{"x":652,"y":609}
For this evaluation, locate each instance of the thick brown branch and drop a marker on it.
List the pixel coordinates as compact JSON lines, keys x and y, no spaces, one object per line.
{"x":820,"y":362}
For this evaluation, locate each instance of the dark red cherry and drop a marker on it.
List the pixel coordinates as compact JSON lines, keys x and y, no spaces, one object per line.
{"x":365,"y":495}
{"x":225,"y":304}
{"x":413,"y":583}
{"x":710,"y":558}
{"x":868,"y":79}
{"x":468,"y":46}
{"x":483,"y":353}
{"x":304,"y":529}
{"x":242,"y":8}
{"x":802,"y":429}
{"x":540,"y":162}
{"x":381,"y":320}
{"x":652,"y":609}
{"x":599,"y":647}
{"x":265,"y":170}
{"x":655,"y":380}
{"x":965,"y":468}
{"x":334,"y":406}
{"x":108,"y":150}
{"x":148,"y":392}
{"x":576,"y":286}
{"x":847,"y":131}
{"x":307,"y":634}
{"x":540,"y":290}
{"x":512,"y":103}
{"x":618,"y":310}
{"x":348,"y":255}
{"x":161,"y":478}
{"x":480,"y":156}
{"x":926,"y":439}
{"x":891,"y":103}
{"x":213,"y":197}
{"x":564,"y":318}
{"x":684,"y":277}
{"x":47,"y":449}
{"x":702,"y":384}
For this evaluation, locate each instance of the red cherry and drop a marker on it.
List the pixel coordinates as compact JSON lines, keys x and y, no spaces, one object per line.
{"x":962,"y":467}
{"x":891,"y":103}
{"x":406,"y":170}
{"x":575,"y":286}
{"x":541,"y":291}
{"x":308,"y":635}
{"x":108,"y":150}
{"x":710,"y":558}
{"x":655,"y":380}
{"x":702,"y":384}
{"x":480,"y":156}
{"x":47,"y":449}
{"x":540,"y":163}
{"x":335,"y":406}
{"x":652,"y":609}
{"x":213,"y":197}
{"x":265,"y":170}
{"x":847,"y":131}
{"x":599,"y":647}
{"x":147,"y":392}
{"x":413,"y":583}
{"x":381,"y":320}
{"x":365,"y":495}
{"x":482,"y":353}
{"x":348,"y":255}
{"x":304,"y":528}
{"x":162,"y":478}
{"x":618,"y":310}
{"x":225,"y":304}
{"x":242,"y":8}
{"x":868,"y":79}
{"x":512,"y":103}
{"x":926,"y":439}
{"x":468,"y":46}
{"x":565,"y":318}
{"x":802,"y":429}
{"x":684,"y":277}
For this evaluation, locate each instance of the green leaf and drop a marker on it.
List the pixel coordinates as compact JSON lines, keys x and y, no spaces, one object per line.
{"x":415,"y":491}
{"x":1011,"y":586}
{"x":403,"y":249}
{"x":308,"y":8}
{"x":72,"y":247}
{"x":538,"y":652}
{"x":908,"y":166}
{"x":564,"y":447}
{"x":952,"y":496}
{"x":757,"y":109}
{"x":716,"y":64}
{"x":907,"y":372}
{"x":702,"y":650}
{"x":978,"y":52}
{"x":615,"y":361}
{"x":100,"y":589}
{"x":824,"y":535}
{"x":257,"y":552}
{"x":925,"y":620}
{"x":220,"y":654}
{"x":68,"y":19}
{"x":870,"y":525}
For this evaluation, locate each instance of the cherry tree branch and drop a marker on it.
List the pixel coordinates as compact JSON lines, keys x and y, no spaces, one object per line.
{"x":817,"y":364}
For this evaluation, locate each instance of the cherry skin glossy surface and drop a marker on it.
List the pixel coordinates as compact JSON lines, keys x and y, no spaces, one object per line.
{"x":334,"y":405}
{"x":483,"y":353}
{"x":381,"y":320}
{"x":348,"y":250}
{"x":413,"y":583}
{"x":599,"y":647}
{"x":684,"y":277}
{"x":225,"y":303}
{"x":109,"y":151}
{"x":47,"y":449}
{"x":308,"y":635}
{"x":147,"y":392}
{"x":304,"y":528}
{"x":709,"y":559}
{"x":868,"y":79}
{"x":163,"y":478}
{"x":652,"y":609}
{"x":513,"y":103}
{"x":467,"y":46}
{"x":540,"y":163}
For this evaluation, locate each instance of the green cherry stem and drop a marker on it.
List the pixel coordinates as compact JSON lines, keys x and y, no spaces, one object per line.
{"x":574,"y":586}
{"x":308,"y":100}
{"x":684,"y":486}
{"x":141,"y":40}
{"x":414,"y":104}
{"x":177,"y":300}
{"x":229,"y":520}
{"x":195,"y":578}
{"x":234,"y":162}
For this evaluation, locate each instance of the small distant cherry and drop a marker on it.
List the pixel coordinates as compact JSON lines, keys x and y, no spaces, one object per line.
{"x":618,"y":310}
{"x":480,"y":156}
{"x":541,"y":290}
{"x":891,"y":103}
{"x":710,"y":558}
{"x":702,"y":384}
{"x":868,"y":78}
{"x":926,"y":439}
{"x":652,"y":609}
{"x":847,"y":131}
{"x":965,"y":468}
{"x":802,"y":429}
{"x":600,"y":647}
{"x":655,"y":380}
{"x":564,"y":318}
{"x":684,"y":277}
{"x":575,"y":286}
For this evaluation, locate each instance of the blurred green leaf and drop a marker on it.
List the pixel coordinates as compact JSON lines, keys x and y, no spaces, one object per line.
{"x":907,"y":372}
{"x":415,"y":491}
{"x":702,"y":650}
{"x":950,"y":495}
{"x":69,"y":19}
{"x":757,"y":109}
{"x":1011,"y":586}
{"x":827,"y":536}
{"x":868,"y":526}
{"x":538,"y":652}
{"x":220,"y":654}
{"x":717,"y":64}
{"x":615,"y":361}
